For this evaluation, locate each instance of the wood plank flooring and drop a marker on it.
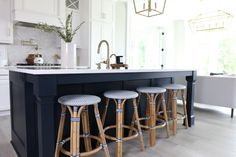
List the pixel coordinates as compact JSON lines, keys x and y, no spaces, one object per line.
{"x":214,"y":135}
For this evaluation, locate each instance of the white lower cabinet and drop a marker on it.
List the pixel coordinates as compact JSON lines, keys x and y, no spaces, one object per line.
{"x":6,"y":25}
{"x":4,"y":93}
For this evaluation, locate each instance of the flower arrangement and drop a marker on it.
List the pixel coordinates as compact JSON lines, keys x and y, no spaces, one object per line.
{"x":66,"y":32}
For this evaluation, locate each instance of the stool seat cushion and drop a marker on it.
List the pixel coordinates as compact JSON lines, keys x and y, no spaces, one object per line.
{"x":175,"y":86}
{"x":151,"y":90}
{"x":121,"y":94}
{"x":79,"y":100}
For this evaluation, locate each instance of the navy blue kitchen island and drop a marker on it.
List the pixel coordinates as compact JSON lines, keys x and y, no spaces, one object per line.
{"x":35,"y":111}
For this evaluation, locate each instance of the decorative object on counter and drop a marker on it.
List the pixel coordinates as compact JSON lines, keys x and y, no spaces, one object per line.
{"x":35,"y":58}
{"x":119,"y":59}
{"x":118,"y":66}
{"x":66,"y":33}
{"x":30,"y":59}
{"x":68,"y":55}
{"x":57,"y":58}
{"x":211,"y":21}
{"x":149,"y":8}
{"x":38,"y":59}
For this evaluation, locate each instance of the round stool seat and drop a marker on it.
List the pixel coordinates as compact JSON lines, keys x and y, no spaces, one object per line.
{"x":175,"y":87}
{"x":151,"y":90}
{"x":79,"y":100}
{"x":121,"y":94}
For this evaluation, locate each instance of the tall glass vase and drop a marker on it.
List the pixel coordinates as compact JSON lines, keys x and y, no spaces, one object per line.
{"x":68,"y":55}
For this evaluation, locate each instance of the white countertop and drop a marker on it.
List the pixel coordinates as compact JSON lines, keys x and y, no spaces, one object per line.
{"x":86,"y":71}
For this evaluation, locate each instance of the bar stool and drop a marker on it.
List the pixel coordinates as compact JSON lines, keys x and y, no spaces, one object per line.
{"x":78,"y":109}
{"x":120,"y":97}
{"x":154,"y":120}
{"x":173,"y":90}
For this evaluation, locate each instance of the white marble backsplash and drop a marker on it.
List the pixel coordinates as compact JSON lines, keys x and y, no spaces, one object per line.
{"x":48,"y":43}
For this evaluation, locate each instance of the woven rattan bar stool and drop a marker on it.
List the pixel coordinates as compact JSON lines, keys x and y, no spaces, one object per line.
{"x":77,"y":105}
{"x":173,"y":90}
{"x":154,"y":118}
{"x":120,"y":97}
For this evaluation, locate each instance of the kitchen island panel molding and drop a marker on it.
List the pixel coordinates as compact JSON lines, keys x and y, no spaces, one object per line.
{"x":35,"y":108}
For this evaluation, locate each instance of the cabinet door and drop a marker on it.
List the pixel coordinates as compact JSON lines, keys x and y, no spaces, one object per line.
{"x":6,"y":26}
{"x":96,"y":28}
{"x":35,"y":11}
{"x":4,"y":93}
{"x":102,"y":10}
{"x":96,"y":9}
{"x":107,"y":11}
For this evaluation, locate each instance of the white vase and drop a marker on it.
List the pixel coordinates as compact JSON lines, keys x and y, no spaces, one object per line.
{"x":68,"y":55}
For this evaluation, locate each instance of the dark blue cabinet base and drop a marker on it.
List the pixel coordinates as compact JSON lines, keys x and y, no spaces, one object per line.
{"x":35,"y":112}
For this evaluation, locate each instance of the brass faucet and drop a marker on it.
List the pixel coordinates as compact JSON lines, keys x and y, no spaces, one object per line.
{"x":107,"y":62}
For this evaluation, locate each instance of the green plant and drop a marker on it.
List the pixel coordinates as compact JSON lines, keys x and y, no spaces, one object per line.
{"x":66,"y":32}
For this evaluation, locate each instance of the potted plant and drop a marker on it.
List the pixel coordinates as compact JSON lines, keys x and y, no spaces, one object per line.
{"x":66,"y":33}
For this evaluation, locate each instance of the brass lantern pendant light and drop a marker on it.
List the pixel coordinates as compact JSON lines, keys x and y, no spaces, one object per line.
{"x":149,"y":8}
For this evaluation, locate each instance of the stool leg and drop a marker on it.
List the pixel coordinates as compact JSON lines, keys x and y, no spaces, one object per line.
{"x":138,"y":124}
{"x":165,"y":114}
{"x":60,"y":131}
{"x":104,"y":114}
{"x":101,"y":131}
{"x":169,"y":102}
{"x":119,"y":126}
{"x":78,"y":129}
{"x":133,"y":118}
{"x":86,"y":129}
{"x":105,"y":111}
{"x":174,"y":111}
{"x":158,"y":106}
{"x":147,"y":111}
{"x":185,"y":109}
{"x":74,"y":132}
{"x":152,"y":120}
{"x":132,"y":125}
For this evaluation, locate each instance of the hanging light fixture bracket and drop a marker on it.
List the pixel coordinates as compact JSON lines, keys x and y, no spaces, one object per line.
{"x":149,"y":8}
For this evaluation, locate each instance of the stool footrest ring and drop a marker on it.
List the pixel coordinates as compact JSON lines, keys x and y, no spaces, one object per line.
{"x":161,"y":125}
{"x":95,"y":150}
{"x":134,"y":135}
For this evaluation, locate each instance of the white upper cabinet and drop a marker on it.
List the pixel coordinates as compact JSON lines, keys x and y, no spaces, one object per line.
{"x":35,"y":11}
{"x":101,"y":28}
{"x":102,"y":10}
{"x":6,"y":25}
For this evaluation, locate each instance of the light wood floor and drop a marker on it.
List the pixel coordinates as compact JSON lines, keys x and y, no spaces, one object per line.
{"x":214,"y":135}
